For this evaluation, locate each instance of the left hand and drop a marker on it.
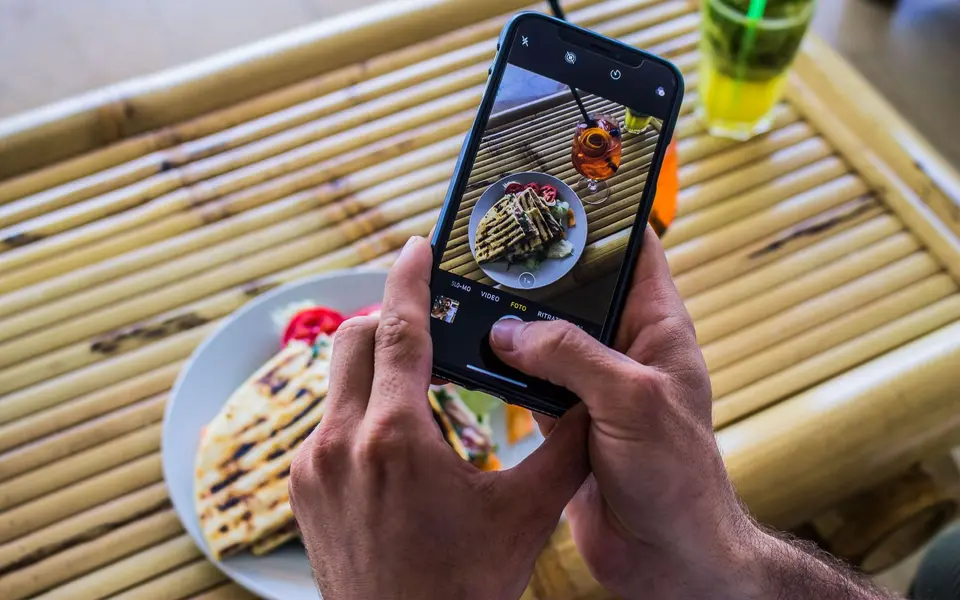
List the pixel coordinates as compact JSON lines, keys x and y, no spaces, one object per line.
{"x":386,"y":508}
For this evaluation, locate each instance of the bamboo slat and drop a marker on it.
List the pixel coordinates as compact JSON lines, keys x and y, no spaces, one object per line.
{"x":69,"y":442}
{"x":860,"y":321}
{"x":130,"y":571}
{"x":80,"y":466}
{"x":83,"y":526}
{"x":886,"y":132}
{"x":88,"y":406}
{"x":228,"y":591}
{"x":79,"y":497}
{"x":815,"y":277}
{"x":834,"y":361}
{"x":53,"y":391}
{"x":793,"y":460}
{"x":766,"y":222}
{"x":86,"y":557}
{"x":854,"y":265}
{"x":755,"y":338}
{"x":185,"y":581}
{"x":902,"y":199}
{"x":783,"y":243}
{"x":803,"y":261}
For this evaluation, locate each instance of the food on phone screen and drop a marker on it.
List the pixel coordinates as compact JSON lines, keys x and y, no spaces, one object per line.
{"x":243,"y":463}
{"x":524,"y":228}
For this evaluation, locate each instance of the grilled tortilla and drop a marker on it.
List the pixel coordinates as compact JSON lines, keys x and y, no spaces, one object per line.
{"x":461,"y":428}
{"x":517,"y":226}
{"x":272,"y":541}
{"x":243,"y":463}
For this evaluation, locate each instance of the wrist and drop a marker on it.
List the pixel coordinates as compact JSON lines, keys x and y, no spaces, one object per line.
{"x":773,"y":567}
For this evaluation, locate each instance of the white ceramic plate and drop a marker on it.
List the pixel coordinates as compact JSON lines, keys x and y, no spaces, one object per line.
{"x":550,"y":270}
{"x":216,"y":368}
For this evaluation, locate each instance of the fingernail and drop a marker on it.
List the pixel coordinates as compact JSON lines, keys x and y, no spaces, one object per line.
{"x":409,"y":244}
{"x":504,"y":333}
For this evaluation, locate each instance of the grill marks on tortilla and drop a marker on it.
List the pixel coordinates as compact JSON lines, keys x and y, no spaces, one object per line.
{"x":271,"y":542}
{"x":230,"y":479}
{"x":244,"y":461}
{"x":517,"y":225}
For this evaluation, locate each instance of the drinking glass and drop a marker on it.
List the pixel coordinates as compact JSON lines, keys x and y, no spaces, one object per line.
{"x":746,"y":49}
{"x":597,"y":152}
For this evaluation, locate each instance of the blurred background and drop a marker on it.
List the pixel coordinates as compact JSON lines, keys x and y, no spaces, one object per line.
{"x":51,"y":49}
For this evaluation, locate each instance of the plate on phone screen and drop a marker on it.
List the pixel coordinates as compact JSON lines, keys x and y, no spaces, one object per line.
{"x":539,"y":272}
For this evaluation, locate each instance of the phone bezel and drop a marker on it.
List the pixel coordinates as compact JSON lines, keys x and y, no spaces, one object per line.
{"x":565,"y":399}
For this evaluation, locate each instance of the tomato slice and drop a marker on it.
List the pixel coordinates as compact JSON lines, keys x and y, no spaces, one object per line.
{"x":367,"y":310}
{"x":514,"y":188}
{"x":307,"y":324}
{"x":532,"y":186}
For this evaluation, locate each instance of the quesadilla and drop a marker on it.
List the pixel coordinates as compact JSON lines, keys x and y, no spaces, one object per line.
{"x":461,"y":428}
{"x":243,"y":463}
{"x":516,"y":227}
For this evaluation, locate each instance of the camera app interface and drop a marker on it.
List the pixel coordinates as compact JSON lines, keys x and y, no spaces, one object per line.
{"x":542,"y":228}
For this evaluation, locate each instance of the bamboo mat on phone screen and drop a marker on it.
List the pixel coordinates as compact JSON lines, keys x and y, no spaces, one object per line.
{"x":813,"y":258}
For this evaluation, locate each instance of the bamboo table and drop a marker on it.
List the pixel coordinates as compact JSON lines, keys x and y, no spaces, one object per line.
{"x":820,"y":262}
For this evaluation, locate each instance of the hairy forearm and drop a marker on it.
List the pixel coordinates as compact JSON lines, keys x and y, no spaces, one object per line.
{"x":788,"y":570}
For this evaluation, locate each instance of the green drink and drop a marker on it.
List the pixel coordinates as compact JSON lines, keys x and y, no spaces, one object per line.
{"x":636,"y":123}
{"x":747,"y":47}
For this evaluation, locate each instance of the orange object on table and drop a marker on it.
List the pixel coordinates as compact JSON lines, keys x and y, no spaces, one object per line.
{"x":668,"y":188}
{"x":520,"y":423}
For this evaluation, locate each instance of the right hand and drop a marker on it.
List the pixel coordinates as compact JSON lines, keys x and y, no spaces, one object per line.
{"x":659,"y":514}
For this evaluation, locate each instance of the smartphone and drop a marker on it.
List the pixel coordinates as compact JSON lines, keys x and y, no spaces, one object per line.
{"x":545,"y":214}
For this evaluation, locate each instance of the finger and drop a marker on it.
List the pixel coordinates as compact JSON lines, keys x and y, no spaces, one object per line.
{"x":351,"y":371}
{"x":545,"y":423}
{"x":403,"y":350}
{"x":654,"y":315}
{"x":561,"y":354}
{"x":554,"y":472}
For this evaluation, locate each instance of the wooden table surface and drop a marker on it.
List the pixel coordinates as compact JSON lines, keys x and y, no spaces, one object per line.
{"x":822,"y":282}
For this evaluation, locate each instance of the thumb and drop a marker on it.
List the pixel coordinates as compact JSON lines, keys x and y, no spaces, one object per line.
{"x":553,"y":473}
{"x":560,"y":353}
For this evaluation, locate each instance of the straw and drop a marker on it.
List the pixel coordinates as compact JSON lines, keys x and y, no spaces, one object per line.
{"x":754,"y":15}
{"x":556,"y":10}
{"x":558,"y":13}
{"x":583,"y":110}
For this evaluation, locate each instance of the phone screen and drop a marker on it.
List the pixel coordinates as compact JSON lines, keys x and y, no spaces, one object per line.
{"x":560,"y":175}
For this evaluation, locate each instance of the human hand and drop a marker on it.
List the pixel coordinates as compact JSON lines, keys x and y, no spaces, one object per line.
{"x":658,"y":514}
{"x":385,"y":507}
